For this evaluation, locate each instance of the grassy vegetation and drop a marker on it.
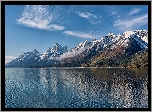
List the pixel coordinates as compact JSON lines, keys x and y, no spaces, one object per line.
{"x":139,"y":60}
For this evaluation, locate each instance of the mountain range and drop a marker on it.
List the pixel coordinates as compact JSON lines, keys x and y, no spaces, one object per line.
{"x":120,"y":50}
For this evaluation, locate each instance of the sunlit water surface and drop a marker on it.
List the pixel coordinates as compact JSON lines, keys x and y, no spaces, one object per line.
{"x":76,"y":88}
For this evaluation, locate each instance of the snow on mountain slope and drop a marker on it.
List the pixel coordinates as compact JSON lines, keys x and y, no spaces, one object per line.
{"x":140,"y":36}
{"x":84,"y":46}
{"x":136,"y":36}
{"x":55,"y":52}
{"x":143,"y":34}
{"x":24,"y":58}
{"x":35,"y":51}
{"x":145,"y":39}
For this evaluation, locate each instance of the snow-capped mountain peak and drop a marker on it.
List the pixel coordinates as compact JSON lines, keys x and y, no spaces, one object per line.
{"x":56,"y":51}
{"x":82,"y":44}
{"x":127,"y":34}
{"x":35,"y":51}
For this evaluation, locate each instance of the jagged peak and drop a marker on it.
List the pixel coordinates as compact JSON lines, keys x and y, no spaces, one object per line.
{"x":35,"y":51}
{"x":56,"y":44}
{"x":85,"y":40}
{"x":110,"y":34}
{"x":129,"y":32}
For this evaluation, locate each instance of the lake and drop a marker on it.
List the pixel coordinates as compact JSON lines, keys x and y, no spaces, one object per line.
{"x":76,"y":88}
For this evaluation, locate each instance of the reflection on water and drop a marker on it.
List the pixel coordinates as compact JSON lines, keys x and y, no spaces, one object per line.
{"x":76,"y":88}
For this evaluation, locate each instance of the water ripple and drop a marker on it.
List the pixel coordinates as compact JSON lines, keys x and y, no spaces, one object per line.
{"x":76,"y":88}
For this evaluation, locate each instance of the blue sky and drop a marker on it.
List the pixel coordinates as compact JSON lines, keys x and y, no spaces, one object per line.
{"x":29,"y":27}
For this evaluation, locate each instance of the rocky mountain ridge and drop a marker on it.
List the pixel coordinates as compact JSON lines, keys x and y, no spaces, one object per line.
{"x":88,"y":53}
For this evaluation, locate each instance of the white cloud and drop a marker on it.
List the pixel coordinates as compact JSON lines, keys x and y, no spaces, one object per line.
{"x":73,"y":53}
{"x":130,"y":24}
{"x":112,"y":13}
{"x":87,"y":15}
{"x":56,"y":27}
{"x":6,"y":61}
{"x":79,"y":34}
{"x":134,"y":11}
{"x":38,"y":16}
{"x":12,"y":57}
{"x":91,"y":17}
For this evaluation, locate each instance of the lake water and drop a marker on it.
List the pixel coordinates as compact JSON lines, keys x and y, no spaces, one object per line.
{"x":76,"y":88}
